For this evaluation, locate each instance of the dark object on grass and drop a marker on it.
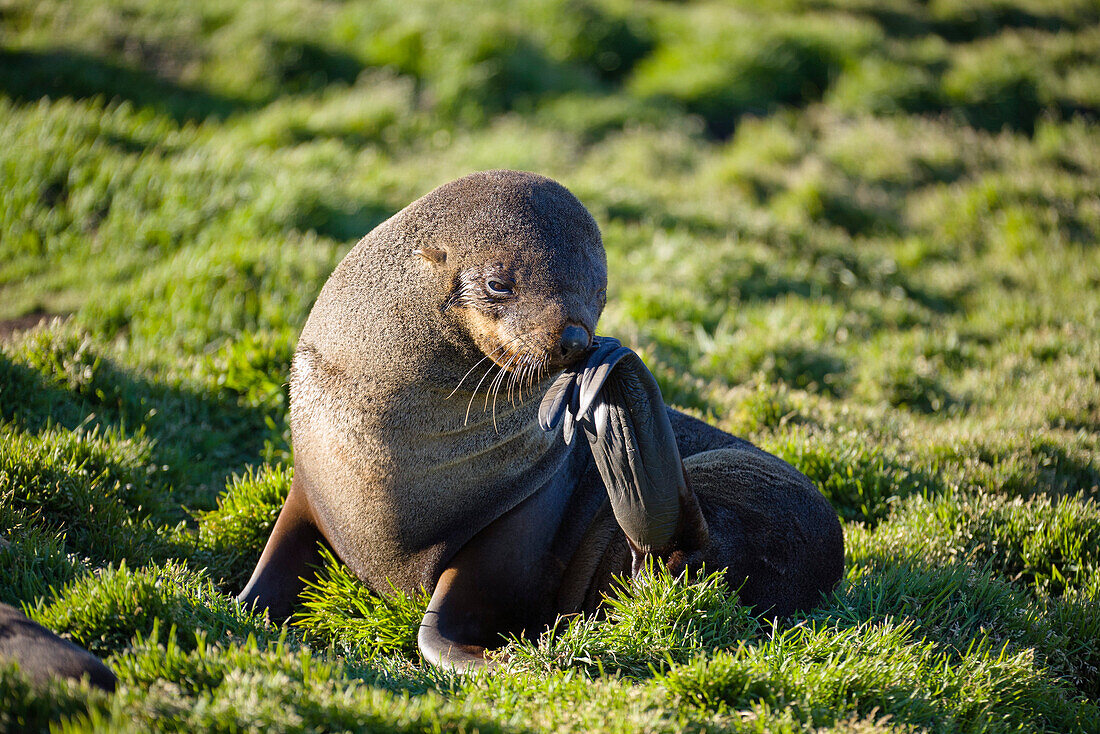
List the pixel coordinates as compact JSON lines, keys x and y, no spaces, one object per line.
{"x":415,"y":477}
{"x":42,"y":655}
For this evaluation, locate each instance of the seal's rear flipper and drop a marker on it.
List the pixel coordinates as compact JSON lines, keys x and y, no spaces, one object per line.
{"x":290,"y":555}
{"x":616,"y":401}
{"x":449,"y":617}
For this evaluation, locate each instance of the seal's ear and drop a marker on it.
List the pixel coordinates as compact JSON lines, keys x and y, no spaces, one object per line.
{"x":431,"y":255}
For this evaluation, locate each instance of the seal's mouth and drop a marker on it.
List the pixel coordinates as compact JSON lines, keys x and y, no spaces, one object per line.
{"x":516,"y":366}
{"x":543,"y":353}
{"x":517,"y":356}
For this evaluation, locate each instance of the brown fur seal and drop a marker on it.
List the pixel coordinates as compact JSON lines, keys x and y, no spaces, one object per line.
{"x":41,"y":654}
{"x":420,"y":460}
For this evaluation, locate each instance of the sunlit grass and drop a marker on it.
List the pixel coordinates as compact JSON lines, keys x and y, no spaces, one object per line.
{"x":863,"y":236}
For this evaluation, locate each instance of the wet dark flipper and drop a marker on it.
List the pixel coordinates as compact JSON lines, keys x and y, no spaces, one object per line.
{"x":291,"y":554}
{"x":616,"y":401}
{"x":488,"y":589}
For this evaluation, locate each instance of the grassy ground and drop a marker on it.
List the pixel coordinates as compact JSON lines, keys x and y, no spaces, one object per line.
{"x":863,"y":235}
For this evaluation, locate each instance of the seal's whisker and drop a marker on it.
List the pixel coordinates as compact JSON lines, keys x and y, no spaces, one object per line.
{"x":517,"y":380}
{"x":487,"y":356}
{"x":535,"y":373}
{"x":501,"y":369}
{"x":493,"y":391}
{"x":477,"y":387}
{"x":540,"y":371}
{"x":511,"y":384}
{"x":474,"y":393}
{"x":523,"y":379}
{"x":522,"y":375}
{"x":499,"y":376}
{"x":495,"y":387}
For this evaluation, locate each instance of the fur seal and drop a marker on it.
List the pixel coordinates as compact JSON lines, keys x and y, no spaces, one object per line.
{"x":41,"y":654}
{"x":415,"y":396}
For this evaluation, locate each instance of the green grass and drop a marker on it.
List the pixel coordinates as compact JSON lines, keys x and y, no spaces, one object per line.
{"x":865,"y":236}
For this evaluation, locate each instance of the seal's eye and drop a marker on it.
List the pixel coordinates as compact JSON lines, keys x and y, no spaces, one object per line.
{"x":497,"y":288}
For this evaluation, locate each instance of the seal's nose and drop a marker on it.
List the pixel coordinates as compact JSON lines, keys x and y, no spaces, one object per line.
{"x":574,"y":340}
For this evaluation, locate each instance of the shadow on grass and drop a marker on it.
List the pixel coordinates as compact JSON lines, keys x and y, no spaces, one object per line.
{"x":1051,"y":470}
{"x":861,"y":481}
{"x":634,"y":212}
{"x":304,"y":66}
{"x":975,"y":24}
{"x":341,"y":223}
{"x":201,"y":438}
{"x":27,"y":76}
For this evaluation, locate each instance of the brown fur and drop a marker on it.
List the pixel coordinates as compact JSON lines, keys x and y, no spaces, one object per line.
{"x":408,"y":490}
{"x":407,"y":478}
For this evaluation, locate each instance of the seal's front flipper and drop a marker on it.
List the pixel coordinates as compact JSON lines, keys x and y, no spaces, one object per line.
{"x":616,"y":401}
{"x":290,"y":555}
{"x":449,"y":619}
{"x":502,"y":582}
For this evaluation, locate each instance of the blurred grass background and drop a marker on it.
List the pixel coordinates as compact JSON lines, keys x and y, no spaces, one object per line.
{"x":862,"y":235}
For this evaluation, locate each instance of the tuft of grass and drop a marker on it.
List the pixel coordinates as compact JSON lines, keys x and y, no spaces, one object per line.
{"x":764,"y":406}
{"x":863,"y":482}
{"x":653,"y":620}
{"x":85,"y":485}
{"x":35,"y":564}
{"x":232,"y":536}
{"x":32,"y":707}
{"x":242,"y":685}
{"x":1048,"y":545}
{"x":951,"y":598}
{"x":104,"y":612}
{"x":339,"y":611}
{"x":201,"y":668}
{"x":881,"y":668}
{"x":71,"y":386}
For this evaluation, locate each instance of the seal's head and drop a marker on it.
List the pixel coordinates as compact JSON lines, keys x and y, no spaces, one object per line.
{"x":522,"y":266}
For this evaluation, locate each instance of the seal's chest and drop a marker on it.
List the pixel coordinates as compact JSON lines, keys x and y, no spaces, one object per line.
{"x":456,"y":486}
